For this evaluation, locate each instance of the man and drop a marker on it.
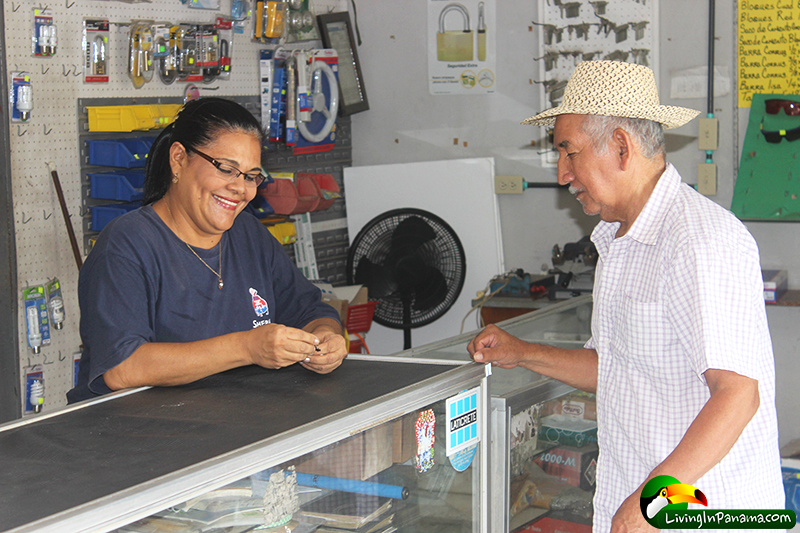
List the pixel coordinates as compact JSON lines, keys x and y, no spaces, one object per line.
{"x":680,"y":356}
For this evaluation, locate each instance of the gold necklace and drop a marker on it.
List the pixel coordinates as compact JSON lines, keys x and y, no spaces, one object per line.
{"x":220,"y":284}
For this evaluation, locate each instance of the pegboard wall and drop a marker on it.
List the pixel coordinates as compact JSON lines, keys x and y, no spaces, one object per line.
{"x":52,"y":134}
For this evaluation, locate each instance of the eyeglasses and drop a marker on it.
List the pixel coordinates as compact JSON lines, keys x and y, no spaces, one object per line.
{"x":777,"y":136}
{"x":229,"y":172}
{"x":789,"y":107}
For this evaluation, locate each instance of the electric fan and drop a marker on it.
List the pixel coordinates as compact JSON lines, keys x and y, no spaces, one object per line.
{"x":412,"y":263}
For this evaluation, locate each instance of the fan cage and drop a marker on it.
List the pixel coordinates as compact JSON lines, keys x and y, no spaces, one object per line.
{"x":444,"y":252}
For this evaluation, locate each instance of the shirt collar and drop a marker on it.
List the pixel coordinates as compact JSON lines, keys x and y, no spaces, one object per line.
{"x":647,"y":226}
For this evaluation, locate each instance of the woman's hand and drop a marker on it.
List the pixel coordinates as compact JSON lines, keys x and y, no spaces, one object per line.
{"x":332,"y":351}
{"x":277,"y":346}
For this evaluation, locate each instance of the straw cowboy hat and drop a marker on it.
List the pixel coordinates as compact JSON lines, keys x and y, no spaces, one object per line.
{"x":614,"y":89}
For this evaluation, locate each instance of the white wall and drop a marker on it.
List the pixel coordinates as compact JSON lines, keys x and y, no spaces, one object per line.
{"x":406,"y":124}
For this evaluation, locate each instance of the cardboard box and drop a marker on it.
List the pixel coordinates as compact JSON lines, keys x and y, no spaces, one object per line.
{"x":358,"y":457}
{"x":576,"y":466}
{"x":568,"y":430}
{"x":341,"y":297}
{"x":404,"y":438}
{"x":578,"y":405}
{"x":776,"y":283}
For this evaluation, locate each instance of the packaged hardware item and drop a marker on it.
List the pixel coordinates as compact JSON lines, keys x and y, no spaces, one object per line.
{"x":44,"y":40}
{"x":20,"y":96}
{"x":538,"y":489}
{"x":95,"y":50}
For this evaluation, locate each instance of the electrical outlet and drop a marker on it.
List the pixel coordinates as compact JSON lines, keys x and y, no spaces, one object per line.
{"x":508,"y":185}
{"x":707,"y":179}
{"x":708,"y":134}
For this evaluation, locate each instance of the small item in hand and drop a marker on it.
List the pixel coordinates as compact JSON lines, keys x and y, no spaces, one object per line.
{"x":316,"y":348}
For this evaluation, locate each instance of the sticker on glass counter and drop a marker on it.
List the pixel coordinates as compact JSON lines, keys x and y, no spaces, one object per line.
{"x":461,"y":460}
{"x":425,"y":429}
{"x":462,"y":421}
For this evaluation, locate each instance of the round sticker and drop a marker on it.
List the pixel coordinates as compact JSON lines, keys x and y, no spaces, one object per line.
{"x":462,"y":459}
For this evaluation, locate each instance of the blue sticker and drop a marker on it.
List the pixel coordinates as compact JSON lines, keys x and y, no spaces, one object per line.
{"x":461,"y":460}
{"x":463,"y":417}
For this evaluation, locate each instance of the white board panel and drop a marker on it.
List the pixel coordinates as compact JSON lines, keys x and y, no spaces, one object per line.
{"x":459,"y":191}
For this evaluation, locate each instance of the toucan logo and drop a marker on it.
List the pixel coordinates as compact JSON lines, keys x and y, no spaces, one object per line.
{"x":667,"y":493}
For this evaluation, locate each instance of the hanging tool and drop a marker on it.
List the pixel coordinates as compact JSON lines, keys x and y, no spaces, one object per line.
{"x":64,"y":211}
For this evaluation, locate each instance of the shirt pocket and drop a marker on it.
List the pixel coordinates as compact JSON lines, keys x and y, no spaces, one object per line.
{"x":642,"y":335}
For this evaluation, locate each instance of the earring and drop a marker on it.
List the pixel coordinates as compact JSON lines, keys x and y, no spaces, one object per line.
{"x":174,"y":178}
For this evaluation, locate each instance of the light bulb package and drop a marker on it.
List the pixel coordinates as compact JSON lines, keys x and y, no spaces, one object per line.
{"x":44,"y":39}
{"x":20,"y":96}
{"x":34,"y":389}
{"x":55,"y":303}
{"x":36,"y":317}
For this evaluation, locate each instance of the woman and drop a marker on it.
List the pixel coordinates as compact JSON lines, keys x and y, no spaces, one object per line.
{"x":187,"y":286}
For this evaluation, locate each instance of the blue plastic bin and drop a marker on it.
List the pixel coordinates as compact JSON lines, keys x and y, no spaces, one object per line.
{"x":791,"y":485}
{"x":125,"y":153}
{"x":125,"y":186}
{"x":103,"y":214}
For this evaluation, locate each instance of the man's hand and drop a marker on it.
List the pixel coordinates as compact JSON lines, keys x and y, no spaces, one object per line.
{"x":628,"y":517}
{"x":493,"y":345}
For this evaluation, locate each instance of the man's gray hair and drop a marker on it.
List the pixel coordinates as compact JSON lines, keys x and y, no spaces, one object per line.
{"x":647,"y":134}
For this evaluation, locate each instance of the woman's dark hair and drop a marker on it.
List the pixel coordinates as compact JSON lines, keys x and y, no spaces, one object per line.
{"x":196,"y":125}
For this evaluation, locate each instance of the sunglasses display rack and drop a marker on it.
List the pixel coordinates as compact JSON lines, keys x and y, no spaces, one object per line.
{"x":768,"y":185}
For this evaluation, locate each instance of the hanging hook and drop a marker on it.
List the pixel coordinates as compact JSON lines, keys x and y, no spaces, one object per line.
{"x":83,"y":211}
{"x":69,"y":6}
{"x":45,"y":71}
{"x":60,"y":357}
{"x":23,"y":218}
{"x":46,"y":216}
{"x":75,"y":71}
{"x":20,"y":133}
{"x":64,"y":72}
{"x":46,"y":131}
{"x":15,"y":8}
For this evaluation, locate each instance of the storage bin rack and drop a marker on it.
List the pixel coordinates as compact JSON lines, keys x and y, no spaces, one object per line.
{"x":109,"y":184}
{"x":112,"y":162}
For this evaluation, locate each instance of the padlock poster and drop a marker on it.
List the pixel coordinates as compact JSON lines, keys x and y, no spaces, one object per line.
{"x":462,"y":55}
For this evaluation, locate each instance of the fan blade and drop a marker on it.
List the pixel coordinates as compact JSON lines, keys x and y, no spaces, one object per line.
{"x":432,"y":291}
{"x":410,"y":234}
{"x":379,"y":280}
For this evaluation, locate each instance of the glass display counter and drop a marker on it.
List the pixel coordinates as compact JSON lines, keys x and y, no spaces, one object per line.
{"x":543,"y":452}
{"x":374,"y":446}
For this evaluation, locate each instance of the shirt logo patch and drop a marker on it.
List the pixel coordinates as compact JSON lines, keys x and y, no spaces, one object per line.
{"x":259,"y":304}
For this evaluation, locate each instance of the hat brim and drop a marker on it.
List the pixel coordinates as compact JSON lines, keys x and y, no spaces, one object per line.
{"x":668,"y":116}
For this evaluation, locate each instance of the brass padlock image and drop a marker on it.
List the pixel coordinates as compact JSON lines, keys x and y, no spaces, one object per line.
{"x":454,"y":45}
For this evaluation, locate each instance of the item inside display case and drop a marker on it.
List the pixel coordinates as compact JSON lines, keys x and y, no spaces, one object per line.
{"x":369,"y":482}
{"x":553,"y":463}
